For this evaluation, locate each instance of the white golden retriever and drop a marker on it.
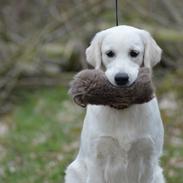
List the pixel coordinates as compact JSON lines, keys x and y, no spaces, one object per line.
{"x":120,"y":146}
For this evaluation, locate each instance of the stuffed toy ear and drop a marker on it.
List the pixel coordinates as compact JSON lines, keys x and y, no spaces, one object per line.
{"x":152,"y":52}
{"x":93,"y":52}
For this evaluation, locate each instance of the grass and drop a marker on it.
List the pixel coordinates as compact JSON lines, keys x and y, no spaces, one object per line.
{"x":42,"y":135}
{"x":171,"y":88}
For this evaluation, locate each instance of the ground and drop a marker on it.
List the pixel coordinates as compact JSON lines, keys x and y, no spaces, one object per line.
{"x":40,"y":136}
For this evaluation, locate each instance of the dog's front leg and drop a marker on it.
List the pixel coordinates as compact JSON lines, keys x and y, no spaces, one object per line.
{"x":147,"y":175}
{"x":95,"y":172}
{"x":140,"y":161}
{"x":106,"y":163}
{"x":76,"y":172}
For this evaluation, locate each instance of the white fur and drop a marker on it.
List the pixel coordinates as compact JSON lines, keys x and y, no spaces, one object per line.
{"x":120,"y":146}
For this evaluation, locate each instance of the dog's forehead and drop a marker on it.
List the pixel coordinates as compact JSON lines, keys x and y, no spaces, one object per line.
{"x":123,"y":29}
{"x":123,"y":35}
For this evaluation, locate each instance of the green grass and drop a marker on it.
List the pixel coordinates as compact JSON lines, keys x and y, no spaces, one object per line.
{"x":172,"y":160}
{"x":43,"y":134}
{"x":44,"y":129}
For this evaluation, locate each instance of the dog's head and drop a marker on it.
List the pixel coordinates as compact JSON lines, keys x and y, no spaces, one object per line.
{"x":122,"y":50}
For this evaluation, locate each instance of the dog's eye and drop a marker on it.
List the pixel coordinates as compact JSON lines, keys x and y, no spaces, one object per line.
{"x":110,"y":53}
{"x":134,"y":53}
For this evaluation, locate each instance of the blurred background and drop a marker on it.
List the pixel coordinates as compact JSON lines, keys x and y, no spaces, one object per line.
{"x":42,"y":45}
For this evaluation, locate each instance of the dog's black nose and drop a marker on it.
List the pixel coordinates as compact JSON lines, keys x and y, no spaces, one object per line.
{"x":121,"y":79}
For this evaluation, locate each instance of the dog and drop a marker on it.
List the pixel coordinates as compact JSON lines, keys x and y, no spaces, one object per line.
{"x":120,"y":146}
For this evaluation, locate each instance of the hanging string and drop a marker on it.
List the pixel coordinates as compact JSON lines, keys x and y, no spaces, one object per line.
{"x":116,"y":10}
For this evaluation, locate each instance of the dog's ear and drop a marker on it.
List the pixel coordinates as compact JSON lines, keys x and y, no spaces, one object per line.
{"x":152,"y":52}
{"x":93,"y":52}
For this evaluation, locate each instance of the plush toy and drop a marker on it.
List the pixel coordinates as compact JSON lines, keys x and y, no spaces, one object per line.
{"x":93,"y":87}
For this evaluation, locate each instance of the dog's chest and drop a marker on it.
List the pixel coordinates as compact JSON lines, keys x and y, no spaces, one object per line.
{"x":108,"y":149}
{"x":124,"y":127}
{"x":111,"y":138}
{"x":118,"y":157}
{"x":112,"y":134}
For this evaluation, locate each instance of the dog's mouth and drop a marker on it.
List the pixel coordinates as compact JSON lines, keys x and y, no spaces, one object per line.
{"x":114,"y":85}
{"x":129,"y":84}
{"x":121,"y":80}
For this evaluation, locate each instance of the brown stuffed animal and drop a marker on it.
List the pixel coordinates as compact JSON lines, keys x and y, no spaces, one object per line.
{"x":93,"y":87}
